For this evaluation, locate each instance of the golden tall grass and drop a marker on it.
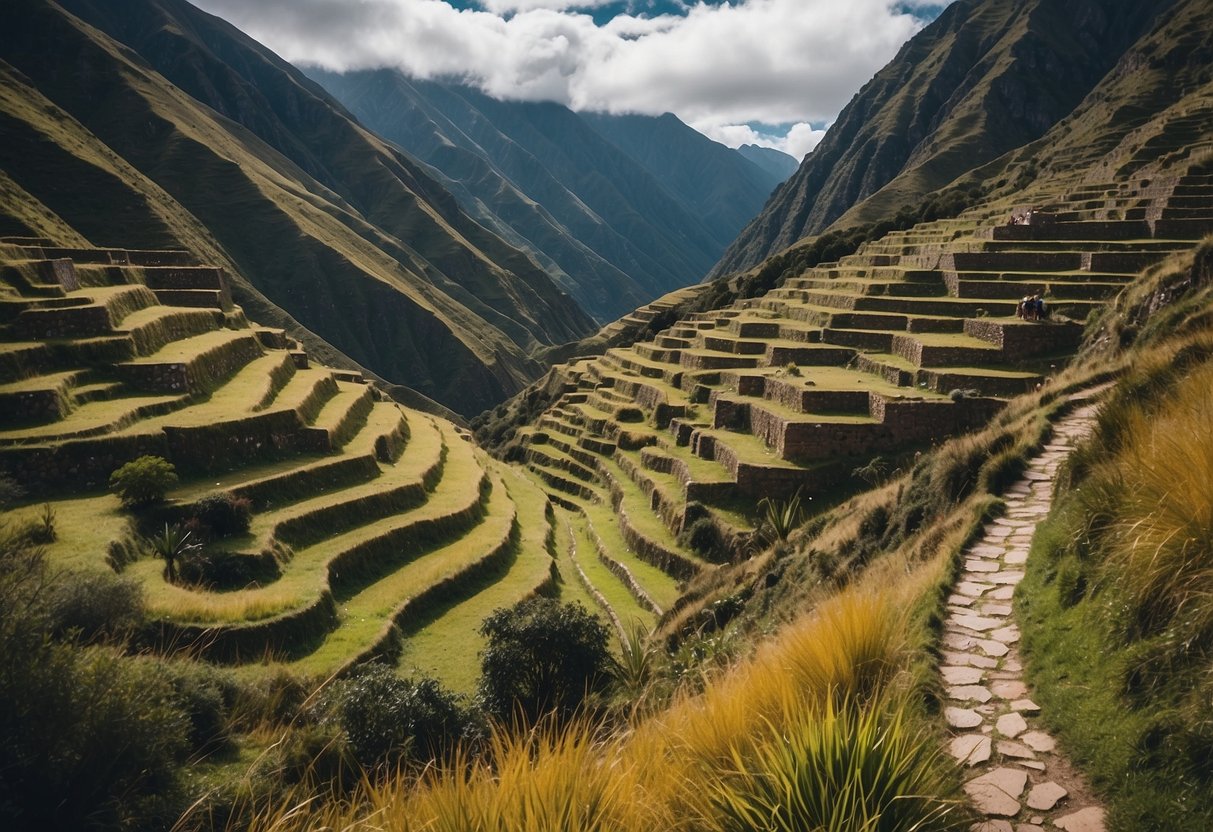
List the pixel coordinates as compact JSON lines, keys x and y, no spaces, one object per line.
{"x":829,"y":677}
{"x":1151,"y":508}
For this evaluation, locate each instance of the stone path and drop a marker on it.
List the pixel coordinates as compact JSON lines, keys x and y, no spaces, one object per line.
{"x":1016,"y":779}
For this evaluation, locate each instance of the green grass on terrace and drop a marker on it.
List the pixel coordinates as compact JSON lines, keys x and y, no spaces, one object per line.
{"x":383,"y":419}
{"x":446,"y":644}
{"x":422,"y":455}
{"x":92,"y":418}
{"x":188,"y":349}
{"x":602,"y":524}
{"x":643,"y":520}
{"x":305,"y":575}
{"x":364,"y":616}
{"x":578,"y":550}
{"x":570,"y":588}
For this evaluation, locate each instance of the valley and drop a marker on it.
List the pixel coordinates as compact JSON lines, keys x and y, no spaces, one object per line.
{"x":373,"y":454}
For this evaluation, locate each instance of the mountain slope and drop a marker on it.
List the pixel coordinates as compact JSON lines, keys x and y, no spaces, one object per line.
{"x":324,"y":226}
{"x":983,"y":79}
{"x":618,"y":209}
{"x":778,"y":164}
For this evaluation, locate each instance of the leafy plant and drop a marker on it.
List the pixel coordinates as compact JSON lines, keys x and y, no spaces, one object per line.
{"x":172,"y":545}
{"x":542,"y":657}
{"x":388,"y":720}
{"x":838,"y":768}
{"x":223,"y":514}
{"x":143,"y":481}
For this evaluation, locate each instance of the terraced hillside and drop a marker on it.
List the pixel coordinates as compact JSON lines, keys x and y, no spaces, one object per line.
{"x":912,"y":339}
{"x":377,"y":529}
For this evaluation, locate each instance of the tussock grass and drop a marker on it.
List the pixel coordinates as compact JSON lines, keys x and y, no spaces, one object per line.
{"x":827,"y":688}
{"x":1151,"y":513}
{"x":1117,"y":604}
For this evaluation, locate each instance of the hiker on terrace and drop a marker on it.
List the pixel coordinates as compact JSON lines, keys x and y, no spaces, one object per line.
{"x":1023,"y":308}
{"x":1041,"y":313}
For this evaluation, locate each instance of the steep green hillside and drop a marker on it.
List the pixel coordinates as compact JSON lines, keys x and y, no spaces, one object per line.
{"x":326,"y":228}
{"x":983,"y":79}
{"x":620,"y":209}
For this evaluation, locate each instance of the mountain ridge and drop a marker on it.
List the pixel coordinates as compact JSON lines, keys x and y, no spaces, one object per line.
{"x":954,"y":97}
{"x":620,"y":209}
{"x":370,"y":255}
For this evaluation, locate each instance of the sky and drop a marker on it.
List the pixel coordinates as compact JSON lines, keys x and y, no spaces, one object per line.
{"x":769,"y":72}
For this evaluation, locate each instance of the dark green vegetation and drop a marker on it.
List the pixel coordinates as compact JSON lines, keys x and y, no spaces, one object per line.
{"x":542,"y":657}
{"x":326,"y":230}
{"x":618,"y":209}
{"x":983,"y":79}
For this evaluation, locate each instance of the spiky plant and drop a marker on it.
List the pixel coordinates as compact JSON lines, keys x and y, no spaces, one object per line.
{"x":780,"y":518}
{"x":173,"y":544}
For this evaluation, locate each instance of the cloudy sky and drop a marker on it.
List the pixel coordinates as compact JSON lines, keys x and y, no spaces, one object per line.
{"x":772,"y":72}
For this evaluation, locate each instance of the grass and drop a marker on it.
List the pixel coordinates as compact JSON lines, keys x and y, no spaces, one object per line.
{"x":306,"y":574}
{"x":605,"y":582}
{"x":364,"y":615}
{"x":1118,"y":622}
{"x":446,"y":643}
{"x":835,"y":675}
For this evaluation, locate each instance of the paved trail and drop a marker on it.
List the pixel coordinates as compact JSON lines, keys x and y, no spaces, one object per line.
{"x":1017,"y":779}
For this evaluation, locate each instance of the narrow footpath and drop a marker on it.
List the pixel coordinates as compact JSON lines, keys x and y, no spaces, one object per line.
{"x":1017,"y":778}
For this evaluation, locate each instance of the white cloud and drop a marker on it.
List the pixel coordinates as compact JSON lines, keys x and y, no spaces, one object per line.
{"x":719,"y":66}
{"x":799,"y":140}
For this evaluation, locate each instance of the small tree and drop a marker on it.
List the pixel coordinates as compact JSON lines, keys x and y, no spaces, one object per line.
{"x":143,"y":481}
{"x":542,"y":657}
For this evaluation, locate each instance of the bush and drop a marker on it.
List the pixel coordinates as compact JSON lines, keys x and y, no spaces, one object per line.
{"x":704,"y":539}
{"x":143,"y":481}
{"x":542,"y":657}
{"x":223,"y":515}
{"x":94,"y":608}
{"x":10,"y":490}
{"x":228,"y":570}
{"x":88,"y":737}
{"x":629,"y":414}
{"x":388,"y":720}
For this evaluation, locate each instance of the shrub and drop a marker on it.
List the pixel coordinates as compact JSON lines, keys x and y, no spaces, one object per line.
{"x":629,"y":414}
{"x":173,"y":545}
{"x":542,"y":657}
{"x":90,"y":738}
{"x":10,"y":490}
{"x":43,"y":530}
{"x":703,"y":538}
{"x":143,"y":481}
{"x":780,"y":518}
{"x":228,"y":570}
{"x":224,"y":515}
{"x":96,"y":607}
{"x":388,"y":720}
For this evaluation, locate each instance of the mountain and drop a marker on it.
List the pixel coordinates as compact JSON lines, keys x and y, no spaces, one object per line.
{"x":778,"y":164}
{"x":192,"y":135}
{"x":618,"y":209}
{"x":982,"y":79}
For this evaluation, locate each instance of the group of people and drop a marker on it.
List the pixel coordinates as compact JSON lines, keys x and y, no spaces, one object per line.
{"x":1032,"y":216}
{"x":1032,"y":308}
